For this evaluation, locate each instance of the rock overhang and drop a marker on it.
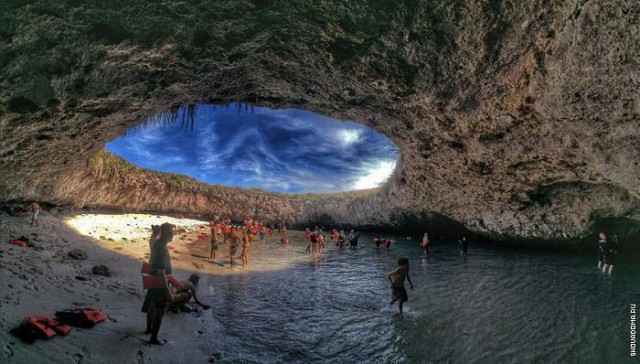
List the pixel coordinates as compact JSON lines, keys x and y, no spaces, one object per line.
{"x":517,"y":120}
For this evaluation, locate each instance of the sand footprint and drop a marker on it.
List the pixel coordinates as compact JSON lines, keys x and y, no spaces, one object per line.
{"x":8,"y":352}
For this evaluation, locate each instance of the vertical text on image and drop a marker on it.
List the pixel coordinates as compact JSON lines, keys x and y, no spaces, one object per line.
{"x":632,"y":329}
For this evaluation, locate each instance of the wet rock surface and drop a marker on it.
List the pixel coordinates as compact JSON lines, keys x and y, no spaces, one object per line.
{"x":515,"y":119}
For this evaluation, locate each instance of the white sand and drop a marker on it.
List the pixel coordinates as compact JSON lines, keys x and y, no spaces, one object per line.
{"x":36,"y":282}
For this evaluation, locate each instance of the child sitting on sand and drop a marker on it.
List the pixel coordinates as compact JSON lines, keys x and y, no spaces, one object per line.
{"x":397,"y":277}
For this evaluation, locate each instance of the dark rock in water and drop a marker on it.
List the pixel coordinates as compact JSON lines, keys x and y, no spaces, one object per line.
{"x":77,"y":254}
{"x":81,"y":278}
{"x":101,"y":270}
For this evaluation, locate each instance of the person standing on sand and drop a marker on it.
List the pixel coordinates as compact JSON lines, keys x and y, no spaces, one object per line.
{"x":233,"y":245}
{"x":246,"y":240}
{"x":35,"y":211}
{"x":155,"y":235}
{"x":214,"y":240}
{"x":397,"y":277}
{"x":159,"y":298}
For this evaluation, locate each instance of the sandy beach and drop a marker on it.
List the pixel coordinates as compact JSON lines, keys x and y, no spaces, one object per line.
{"x":43,"y":280}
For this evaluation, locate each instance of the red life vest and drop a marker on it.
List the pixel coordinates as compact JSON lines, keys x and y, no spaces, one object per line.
{"x":149,"y":281}
{"x":48,"y":327}
{"x":19,"y":243}
{"x":94,"y":316}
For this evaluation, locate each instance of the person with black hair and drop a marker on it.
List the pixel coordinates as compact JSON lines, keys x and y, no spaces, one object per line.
{"x":353,"y":239}
{"x":462,"y":241}
{"x":397,"y":277}
{"x":184,"y":293}
{"x":159,"y":297}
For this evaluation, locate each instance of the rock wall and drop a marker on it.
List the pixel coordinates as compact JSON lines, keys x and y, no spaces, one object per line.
{"x":518,"y":119}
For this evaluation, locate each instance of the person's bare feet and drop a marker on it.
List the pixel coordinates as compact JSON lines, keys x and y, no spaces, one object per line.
{"x":157,"y":342}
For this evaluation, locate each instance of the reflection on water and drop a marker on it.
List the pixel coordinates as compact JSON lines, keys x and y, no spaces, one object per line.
{"x":496,"y":305}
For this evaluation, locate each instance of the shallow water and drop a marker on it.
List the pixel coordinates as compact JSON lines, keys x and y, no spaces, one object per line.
{"x":496,"y":305}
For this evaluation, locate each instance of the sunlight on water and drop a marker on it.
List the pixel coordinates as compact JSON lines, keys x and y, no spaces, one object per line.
{"x":496,"y":305}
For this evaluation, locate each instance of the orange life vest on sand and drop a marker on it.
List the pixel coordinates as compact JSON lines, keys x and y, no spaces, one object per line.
{"x":47,"y":327}
{"x":19,"y":243}
{"x":94,"y":316}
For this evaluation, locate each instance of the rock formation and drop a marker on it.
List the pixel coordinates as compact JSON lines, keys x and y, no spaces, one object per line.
{"x":517,"y":119}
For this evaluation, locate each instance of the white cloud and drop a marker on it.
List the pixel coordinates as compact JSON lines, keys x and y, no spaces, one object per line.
{"x":375,"y":175}
{"x":348,"y":137}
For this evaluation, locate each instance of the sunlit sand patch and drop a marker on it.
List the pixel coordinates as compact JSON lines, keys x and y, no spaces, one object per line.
{"x":128,"y":235}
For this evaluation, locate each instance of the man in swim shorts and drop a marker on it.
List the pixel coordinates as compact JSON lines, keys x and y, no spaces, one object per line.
{"x":397,"y":277}
{"x":35,"y":211}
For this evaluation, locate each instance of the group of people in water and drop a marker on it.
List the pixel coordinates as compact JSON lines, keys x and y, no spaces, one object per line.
{"x":223,"y":231}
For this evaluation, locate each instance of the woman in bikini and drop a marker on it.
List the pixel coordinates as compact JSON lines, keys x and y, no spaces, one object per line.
{"x":245,"y":248}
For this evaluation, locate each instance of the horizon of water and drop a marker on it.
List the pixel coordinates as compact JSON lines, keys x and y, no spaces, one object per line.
{"x":496,"y":305}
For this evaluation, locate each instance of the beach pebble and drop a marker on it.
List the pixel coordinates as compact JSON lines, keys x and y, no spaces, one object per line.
{"x":81,"y":278}
{"x":78,"y":254}
{"x":101,"y":270}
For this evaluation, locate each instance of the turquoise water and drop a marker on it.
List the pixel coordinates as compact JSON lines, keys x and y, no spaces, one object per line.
{"x":495,"y":306}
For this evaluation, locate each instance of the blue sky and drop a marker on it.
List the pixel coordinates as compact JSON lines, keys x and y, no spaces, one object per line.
{"x":287,"y":150}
